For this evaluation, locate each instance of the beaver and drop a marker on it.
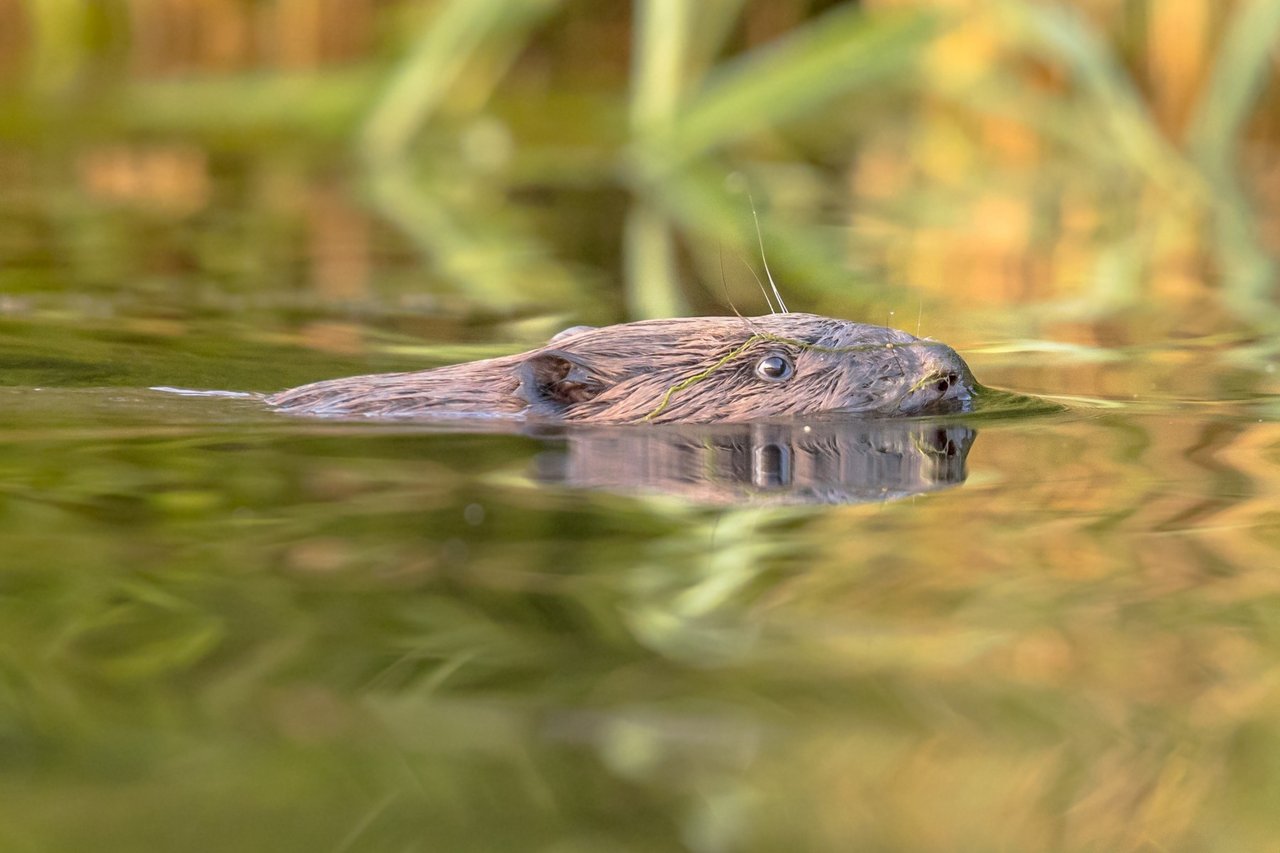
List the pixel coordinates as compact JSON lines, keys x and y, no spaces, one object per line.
{"x":688,"y":370}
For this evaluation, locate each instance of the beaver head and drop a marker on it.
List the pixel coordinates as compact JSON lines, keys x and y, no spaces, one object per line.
{"x":735,"y":369}
{"x":691,"y":370}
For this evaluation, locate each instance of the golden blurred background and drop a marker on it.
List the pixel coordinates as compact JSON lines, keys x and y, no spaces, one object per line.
{"x":1100,"y":171}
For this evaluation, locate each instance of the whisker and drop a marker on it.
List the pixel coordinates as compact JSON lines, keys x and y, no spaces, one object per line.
{"x":760,"y":238}
{"x":760,"y":284}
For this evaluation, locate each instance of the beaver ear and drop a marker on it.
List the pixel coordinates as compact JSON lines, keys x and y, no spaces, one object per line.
{"x":570,"y":332}
{"x":557,"y":378}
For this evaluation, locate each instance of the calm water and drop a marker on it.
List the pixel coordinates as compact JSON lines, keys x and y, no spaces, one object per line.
{"x":223,"y":629}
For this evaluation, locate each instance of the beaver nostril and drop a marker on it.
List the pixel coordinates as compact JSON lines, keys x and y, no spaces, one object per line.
{"x":944,"y":384}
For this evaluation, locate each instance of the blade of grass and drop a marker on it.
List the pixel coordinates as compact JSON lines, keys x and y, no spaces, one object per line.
{"x":1238,"y":78}
{"x":652,"y":283}
{"x":712,"y":24}
{"x":1062,"y":33}
{"x":841,"y":51}
{"x":834,"y":55}
{"x":436,"y":63}
{"x":323,"y":103}
{"x":59,"y":45}
{"x":495,"y":263}
{"x":486,"y":254}
{"x":1214,"y":135}
{"x":661,"y":36}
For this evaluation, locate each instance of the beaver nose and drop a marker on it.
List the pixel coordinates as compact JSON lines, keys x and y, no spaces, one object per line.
{"x":945,"y":385}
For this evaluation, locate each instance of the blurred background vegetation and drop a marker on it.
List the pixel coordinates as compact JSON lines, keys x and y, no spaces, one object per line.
{"x":1101,"y":171}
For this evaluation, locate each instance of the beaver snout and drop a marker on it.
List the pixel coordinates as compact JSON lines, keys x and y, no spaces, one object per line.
{"x":945,"y":384}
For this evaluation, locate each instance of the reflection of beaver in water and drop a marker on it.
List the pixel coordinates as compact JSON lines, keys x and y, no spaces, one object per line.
{"x":827,"y":461}
{"x":691,"y":370}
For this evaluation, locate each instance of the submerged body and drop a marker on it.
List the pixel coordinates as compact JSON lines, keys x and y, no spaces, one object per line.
{"x":689,"y":370}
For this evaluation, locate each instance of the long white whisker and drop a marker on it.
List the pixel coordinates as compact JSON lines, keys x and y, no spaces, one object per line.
{"x":760,"y":284}
{"x":760,"y":238}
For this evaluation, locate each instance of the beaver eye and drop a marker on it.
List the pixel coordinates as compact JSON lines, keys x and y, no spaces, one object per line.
{"x":945,"y":382}
{"x":775,"y":368}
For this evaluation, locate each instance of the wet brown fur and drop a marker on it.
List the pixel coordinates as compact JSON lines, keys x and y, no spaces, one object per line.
{"x":691,"y":370}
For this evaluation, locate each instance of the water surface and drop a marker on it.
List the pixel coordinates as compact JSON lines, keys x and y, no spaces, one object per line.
{"x":227,"y":629}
